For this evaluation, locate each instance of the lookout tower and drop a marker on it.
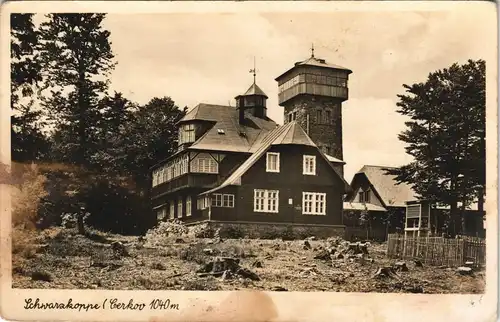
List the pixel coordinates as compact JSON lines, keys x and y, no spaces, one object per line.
{"x":312,"y":92}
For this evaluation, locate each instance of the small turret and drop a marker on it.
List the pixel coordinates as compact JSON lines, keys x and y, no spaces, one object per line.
{"x":253,"y":101}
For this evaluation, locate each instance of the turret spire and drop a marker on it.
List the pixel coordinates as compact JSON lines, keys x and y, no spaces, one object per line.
{"x":254,"y":70}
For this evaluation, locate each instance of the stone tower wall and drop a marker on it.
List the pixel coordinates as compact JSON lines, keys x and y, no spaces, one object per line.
{"x":326,"y":133}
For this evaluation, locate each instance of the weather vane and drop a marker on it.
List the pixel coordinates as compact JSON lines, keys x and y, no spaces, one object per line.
{"x":254,"y":70}
{"x":312,"y":50}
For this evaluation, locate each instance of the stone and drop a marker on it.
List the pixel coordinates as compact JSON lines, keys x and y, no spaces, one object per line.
{"x":400,"y":266}
{"x":469,"y":264}
{"x":418,"y":263}
{"x":246,"y":273}
{"x":227,"y":275}
{"x":306,"y":244}
{"x":41,"y":276}
{"x":119,"y":248}
{"x":279,"y":289}
{"x":323,"y":255}
{"x":464,"y":270}
{"x":257,"y":264}
{"x":208,"y":251}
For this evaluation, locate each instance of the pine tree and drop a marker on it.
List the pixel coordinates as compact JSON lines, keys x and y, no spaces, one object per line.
{"x":77,"y":58}
{"x":27,"y":138}
{"x":446,"y":137}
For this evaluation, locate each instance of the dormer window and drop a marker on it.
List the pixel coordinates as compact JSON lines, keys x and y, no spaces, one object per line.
{"x":221,"y":131}
{"x":186,"y":133}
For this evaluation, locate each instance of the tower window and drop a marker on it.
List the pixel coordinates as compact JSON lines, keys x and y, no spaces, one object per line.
{"x":329,"y":117}
{"x":319,"y":116}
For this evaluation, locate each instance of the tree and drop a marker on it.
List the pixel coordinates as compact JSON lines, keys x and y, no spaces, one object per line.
{"x":151,"y":135}
{"x":27,"y":138}
{"x":76,"y":58}
{"x":445,"y":136}
{"x":117,"y":112}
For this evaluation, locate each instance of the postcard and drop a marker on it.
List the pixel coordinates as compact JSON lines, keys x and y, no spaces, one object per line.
{"x":249,"y":161}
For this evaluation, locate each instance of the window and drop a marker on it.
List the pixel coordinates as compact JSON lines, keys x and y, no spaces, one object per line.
{"x":203,"y":203}
{"x":313,"y":203}
{"x":364,"y":196}
{"x":222,"y":200}
{"x":179,"y":208}
{"x":188,"y":206}
{"x":266,"y":200}
{"x":273,"y":162}
{"x":216,"y":200}
{"x":207,"y":165}
{"x":172,"y":210}
{"x":319,"y":116}
{"x":328,"y":117}
{"x":155,"y":178}
{"x":228,"y":201}
{"x":186,"y":133}
{"x":309,"y":165}
{"x":161,"y":213}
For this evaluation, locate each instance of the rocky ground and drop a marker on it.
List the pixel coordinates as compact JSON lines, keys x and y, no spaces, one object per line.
{"x":180,"y":261}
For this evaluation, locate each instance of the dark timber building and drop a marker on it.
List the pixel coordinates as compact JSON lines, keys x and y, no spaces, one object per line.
{"x":237,"y":168}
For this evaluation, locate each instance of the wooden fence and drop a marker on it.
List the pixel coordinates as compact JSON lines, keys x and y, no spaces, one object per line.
{"x":438,"y":251}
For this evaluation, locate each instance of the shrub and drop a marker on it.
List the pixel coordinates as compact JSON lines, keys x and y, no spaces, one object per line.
{"x":26,"y":196}
{"x":27,"y":191}
{"x":193,"y":253}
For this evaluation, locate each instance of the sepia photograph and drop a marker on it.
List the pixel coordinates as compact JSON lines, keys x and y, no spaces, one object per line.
{"x":246,"y":149}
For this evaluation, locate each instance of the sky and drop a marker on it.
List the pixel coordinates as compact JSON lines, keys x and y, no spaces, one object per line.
{"x":206,"y":57}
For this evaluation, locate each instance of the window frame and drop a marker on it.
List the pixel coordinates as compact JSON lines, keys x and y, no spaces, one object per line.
{"x":179,"y":208}
{"x":219,"y":200}
{"x":172,"y":210}
{"x":305,"y":159}
{"x":312,"y":202}
{"x":189,"y":206}
{"x":261,"y":201}
{"x":277,"y":155}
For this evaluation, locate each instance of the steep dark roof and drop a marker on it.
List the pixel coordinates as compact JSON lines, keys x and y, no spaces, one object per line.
{"x":290,"y":133}
{"x":236,"y":137}
{"x":255,"y":90}
{"x":318,"y":62}
{"x":391,"y":193}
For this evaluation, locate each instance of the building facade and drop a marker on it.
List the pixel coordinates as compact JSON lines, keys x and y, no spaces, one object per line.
{"x":235,"y":166}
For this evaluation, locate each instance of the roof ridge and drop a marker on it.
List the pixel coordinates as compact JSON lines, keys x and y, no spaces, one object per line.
{"x":266,"y":143}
